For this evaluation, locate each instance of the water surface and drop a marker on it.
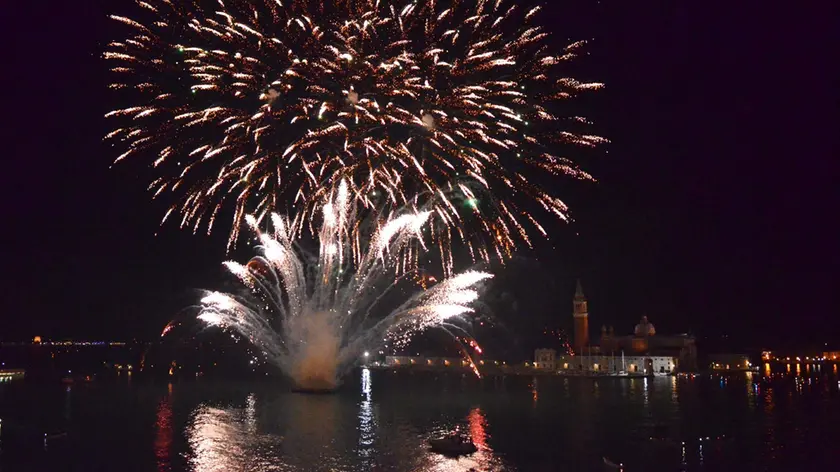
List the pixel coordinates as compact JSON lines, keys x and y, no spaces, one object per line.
{"x":381,"y":421}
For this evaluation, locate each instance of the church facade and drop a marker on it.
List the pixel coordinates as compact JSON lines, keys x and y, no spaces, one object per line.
{"x":644,"y":351}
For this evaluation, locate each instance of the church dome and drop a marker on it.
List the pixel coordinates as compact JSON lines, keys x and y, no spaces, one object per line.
{"x":645,"y":328}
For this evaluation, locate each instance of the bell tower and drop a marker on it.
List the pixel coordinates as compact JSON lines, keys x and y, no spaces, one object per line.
{"x":581,"y":314}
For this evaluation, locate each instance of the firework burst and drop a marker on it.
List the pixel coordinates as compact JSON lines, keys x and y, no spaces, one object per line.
{"x":255,"y":104}
{"x":314,"y":317}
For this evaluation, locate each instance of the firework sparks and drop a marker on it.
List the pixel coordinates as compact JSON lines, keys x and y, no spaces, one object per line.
{"x":248,"y":104}
{"x":314,"y":320}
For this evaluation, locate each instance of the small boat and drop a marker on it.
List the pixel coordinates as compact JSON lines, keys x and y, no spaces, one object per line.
{"x":453,"y":445}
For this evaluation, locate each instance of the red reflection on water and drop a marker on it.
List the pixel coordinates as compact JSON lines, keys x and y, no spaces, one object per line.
{"x":163,"y":439}
{"x":483,"y":458}
{"x":478,"y":425}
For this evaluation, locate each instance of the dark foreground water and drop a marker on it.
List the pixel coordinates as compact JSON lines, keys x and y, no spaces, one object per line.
{"x":380,"y":422}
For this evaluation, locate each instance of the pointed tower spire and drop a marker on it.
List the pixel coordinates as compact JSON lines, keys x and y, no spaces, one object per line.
{"x":579,"y":290}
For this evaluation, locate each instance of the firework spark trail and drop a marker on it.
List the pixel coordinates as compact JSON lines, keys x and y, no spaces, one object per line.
{"x":314,"y":320}
{"x":253,"y":103}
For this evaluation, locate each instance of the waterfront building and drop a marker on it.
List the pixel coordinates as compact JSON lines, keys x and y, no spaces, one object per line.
{"x":730,"y":362}
{"x":645,"y":341}
{"x":548,"y":360}
{"x":545,"y":359}
{"x":612,"y":364}
{"x":7,"y":375}
{"x":644,"y":351}
{"x":831,"y":355}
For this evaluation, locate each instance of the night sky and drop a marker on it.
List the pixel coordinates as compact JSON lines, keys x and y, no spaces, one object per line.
{"x":715,"y":210}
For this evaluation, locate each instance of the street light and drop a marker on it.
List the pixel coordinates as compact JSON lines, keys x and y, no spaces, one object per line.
{"x":367,"y":354}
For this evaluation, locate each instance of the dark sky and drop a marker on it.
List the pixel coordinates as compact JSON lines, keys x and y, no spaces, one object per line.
{"x":716,"y":210}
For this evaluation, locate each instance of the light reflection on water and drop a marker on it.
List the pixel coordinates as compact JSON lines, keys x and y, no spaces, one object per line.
{"x":367,"y":421}
{"x":375,"y":430}
{"x":300,"y":433}
{"x":163,"y":438}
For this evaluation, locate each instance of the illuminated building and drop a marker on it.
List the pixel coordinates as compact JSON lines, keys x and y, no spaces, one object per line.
{"x":36,"y":340}
{"x":545,"y":359}
{"x":9,"y":375}
{"x":730,"y":362}
{"x":831,"y":355}
{"x":643,"y":352}
{"x":420,"y":361}
{"x":616,"y":364}
{"x":581,"y":314}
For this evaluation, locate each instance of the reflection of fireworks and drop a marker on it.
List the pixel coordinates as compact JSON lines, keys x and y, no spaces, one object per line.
{"x":249,"y":101}
{"x":564,"y":339}
{"x":315,"y":320}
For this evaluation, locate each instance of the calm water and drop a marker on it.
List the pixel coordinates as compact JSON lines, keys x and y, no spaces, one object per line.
{"x":381,"y":422}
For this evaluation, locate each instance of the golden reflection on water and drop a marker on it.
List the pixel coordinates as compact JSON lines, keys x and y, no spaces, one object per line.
{"x":210,"y":437}
{"x":674,"y":389}
{"x":225,"y":439}
{"x":534,"y":390}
